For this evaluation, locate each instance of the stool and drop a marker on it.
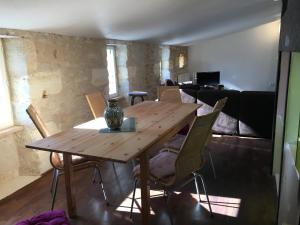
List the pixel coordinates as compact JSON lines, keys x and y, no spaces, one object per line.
{"x":134,"y":94}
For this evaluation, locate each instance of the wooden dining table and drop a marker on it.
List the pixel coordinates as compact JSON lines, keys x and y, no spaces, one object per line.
{"x":156,"y":122}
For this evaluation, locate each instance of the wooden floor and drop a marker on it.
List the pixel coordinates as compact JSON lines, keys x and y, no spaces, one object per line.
{"x":243,"y":193}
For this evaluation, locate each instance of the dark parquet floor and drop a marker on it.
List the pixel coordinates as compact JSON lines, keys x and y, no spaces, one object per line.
{"x":244,"y":192}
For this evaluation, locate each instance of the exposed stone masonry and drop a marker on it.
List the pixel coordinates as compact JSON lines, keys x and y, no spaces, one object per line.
{"x":53,"y":72}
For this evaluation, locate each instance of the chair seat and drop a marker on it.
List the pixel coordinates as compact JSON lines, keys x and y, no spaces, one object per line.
{"x":175,"y":142}
{"x":76,"y":160}
{"x":160,"y":166}
{"x":138,"y":93}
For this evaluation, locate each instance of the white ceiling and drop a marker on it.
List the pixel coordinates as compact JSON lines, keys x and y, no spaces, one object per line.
{"x":163,"y":21}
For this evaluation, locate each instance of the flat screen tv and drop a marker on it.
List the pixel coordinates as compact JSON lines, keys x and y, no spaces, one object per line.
{"x":208,"y":78}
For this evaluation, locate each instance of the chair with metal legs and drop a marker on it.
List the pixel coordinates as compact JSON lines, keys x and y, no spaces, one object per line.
{"x":177,"y":141}
{"x":169,"y":94}
{"x":56,"y":160}
{"x":167,"y":193}
{"x":97,"y":105}
{"x":220,"y":104}
{"x":170,"y":167}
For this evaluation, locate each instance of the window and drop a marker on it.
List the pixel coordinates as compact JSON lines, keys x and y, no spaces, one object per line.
{"x":6,"y":118}
{"x":111,"y":68}
{"x":165,"y":64}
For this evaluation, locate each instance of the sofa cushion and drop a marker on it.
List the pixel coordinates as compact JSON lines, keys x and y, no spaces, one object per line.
{"x":241,"y":114}
{"x":227,"y":122}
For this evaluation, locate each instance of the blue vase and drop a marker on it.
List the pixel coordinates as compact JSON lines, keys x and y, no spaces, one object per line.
{"x":113,"y":114}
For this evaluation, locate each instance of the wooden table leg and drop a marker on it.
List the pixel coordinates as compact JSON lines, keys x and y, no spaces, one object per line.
{"x":68,"y":171}
{"x":145,"y":192}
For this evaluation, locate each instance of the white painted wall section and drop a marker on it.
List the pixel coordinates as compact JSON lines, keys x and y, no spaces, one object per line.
{"x":247,"y":60}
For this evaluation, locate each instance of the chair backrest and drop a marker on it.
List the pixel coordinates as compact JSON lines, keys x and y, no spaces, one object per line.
{"x":161,"y":89}
{"x":169,"y":94}
{"x":37,"y":121}
{"x":220,"y":104}
{"x":39,"y":124}
{"x":96,"y":103}
{"x":190,"y":157}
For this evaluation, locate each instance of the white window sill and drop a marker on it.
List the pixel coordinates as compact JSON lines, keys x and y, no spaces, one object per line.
{"x":10,"y":130}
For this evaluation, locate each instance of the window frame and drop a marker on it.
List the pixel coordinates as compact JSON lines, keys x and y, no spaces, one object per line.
{"x":4,"y":85}
{"x":116,"y":71}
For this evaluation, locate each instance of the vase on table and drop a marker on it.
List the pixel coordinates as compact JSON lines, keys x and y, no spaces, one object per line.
{"x":113,"y":114}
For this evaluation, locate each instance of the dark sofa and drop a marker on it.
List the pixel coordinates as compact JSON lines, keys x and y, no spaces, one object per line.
{"x":247,"y":113}
{"x":257,"y":111}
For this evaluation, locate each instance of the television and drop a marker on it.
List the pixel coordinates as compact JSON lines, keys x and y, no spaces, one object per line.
{"x":208,"y":78}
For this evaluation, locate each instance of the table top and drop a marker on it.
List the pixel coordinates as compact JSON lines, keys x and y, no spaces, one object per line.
{"x":153,"y":121}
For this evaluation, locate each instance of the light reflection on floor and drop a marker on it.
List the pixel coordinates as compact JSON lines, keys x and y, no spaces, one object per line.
{"x":226,"y":206}
{"x":126,"y":204}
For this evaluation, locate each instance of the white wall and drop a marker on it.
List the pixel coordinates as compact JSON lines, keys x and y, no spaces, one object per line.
{"x":247,"y":59}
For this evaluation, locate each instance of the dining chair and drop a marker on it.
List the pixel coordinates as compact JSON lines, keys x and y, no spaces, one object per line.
{"x":177,"y":141}
{"x":56,"y":159}
{"x":96,"y":103}
{"x":169,"y":94}
{"x":170,"y":168}
{"x":220,"y":104}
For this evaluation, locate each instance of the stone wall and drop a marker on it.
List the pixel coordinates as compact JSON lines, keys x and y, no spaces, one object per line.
{"x":143,"y":68}
{"x":175,"y":70}
{"x":53,"y":72}
{"x":138,"y":67}
{"x":170,"y":63}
